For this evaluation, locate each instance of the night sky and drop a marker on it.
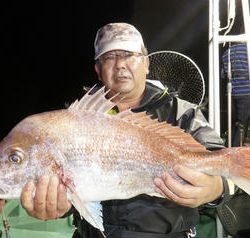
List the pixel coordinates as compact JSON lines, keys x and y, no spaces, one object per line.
{"x":47,"y":53}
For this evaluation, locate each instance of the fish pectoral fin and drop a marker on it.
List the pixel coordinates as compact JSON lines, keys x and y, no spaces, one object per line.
{"x":156,"y":195}
{"x":90,"y":211}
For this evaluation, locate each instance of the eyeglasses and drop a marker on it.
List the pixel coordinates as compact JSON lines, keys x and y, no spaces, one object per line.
{"x":127,"y":56}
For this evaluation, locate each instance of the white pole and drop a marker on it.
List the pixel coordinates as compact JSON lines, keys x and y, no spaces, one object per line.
{"x":229,"y":108}
{"x":229,"y":96}
{"x":211,"y":69}
{"x":216,"y":66}
{"x":214,"y":85}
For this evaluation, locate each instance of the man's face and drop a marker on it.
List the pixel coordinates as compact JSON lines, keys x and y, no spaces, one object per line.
{"x":123,"y":72}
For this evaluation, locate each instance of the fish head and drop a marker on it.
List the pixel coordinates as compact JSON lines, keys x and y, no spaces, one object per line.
{"x":23,"y":156}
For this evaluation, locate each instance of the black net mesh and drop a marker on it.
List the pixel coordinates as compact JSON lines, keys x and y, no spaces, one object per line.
{"x":179,"y":74}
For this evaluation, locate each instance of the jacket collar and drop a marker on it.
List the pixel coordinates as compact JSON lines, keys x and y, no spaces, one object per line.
{"x":152,"y":94}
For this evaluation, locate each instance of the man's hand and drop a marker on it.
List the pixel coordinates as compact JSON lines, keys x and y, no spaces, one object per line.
{"x":200,"y":189}
{"x":50,"y":199}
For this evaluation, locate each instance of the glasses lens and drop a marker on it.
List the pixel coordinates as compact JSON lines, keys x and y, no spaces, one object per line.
{"x":111,"y":57}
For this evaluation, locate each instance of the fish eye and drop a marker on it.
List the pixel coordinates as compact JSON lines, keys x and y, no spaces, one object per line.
{"x":16,"y":157}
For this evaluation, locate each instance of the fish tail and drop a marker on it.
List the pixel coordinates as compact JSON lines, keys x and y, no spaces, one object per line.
{"x":240,"y":167}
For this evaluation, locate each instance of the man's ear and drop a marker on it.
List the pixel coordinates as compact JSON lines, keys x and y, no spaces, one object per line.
{"x":147,"y":64}
{"x":98,"y":70}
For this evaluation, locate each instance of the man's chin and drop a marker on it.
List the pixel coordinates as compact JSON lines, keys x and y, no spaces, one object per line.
{"x":124,"y":87}
{"x":124,"y":90}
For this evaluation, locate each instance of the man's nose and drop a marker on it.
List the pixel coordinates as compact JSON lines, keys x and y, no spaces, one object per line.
{"x":120,"y":61}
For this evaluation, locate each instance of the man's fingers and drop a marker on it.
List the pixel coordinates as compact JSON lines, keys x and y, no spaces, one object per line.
{"x":27,"y":198}
{"x":173,"y":190}
{"x":47,"y":199}
{"x":190,"y":175}
{"x":51,"y":198}
{"x":63,"y":205}
{"x":41,"y":195}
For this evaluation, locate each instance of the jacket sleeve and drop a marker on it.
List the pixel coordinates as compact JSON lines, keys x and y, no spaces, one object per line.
{"x":202,"y":132}
{"x":190,"y":118}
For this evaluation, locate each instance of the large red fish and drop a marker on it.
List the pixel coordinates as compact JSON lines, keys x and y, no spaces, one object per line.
{"x":100,"y":157}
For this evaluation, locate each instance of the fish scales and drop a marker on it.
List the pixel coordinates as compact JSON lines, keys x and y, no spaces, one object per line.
{"x":106,"y":157}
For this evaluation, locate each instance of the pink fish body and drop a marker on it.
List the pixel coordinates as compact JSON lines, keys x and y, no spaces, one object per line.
{"x":101,"y":157}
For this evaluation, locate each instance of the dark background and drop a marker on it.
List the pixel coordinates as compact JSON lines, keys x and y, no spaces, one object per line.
{"x":47,"y":46}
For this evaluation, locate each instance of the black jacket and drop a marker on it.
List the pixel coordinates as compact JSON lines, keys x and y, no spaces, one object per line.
{"x":152,"y":217}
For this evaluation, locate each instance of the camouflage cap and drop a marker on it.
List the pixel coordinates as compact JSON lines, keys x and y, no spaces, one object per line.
{"x":118,"y":36}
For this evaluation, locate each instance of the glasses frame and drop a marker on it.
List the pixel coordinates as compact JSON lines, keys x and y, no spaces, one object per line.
{"x":112,"y":56}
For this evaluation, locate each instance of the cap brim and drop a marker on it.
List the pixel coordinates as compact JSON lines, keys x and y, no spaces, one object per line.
{"x":124,"y":45}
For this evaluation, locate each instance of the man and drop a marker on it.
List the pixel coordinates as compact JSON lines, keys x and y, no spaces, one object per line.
{"x":122,"y":65}
{"x":235,"y":58}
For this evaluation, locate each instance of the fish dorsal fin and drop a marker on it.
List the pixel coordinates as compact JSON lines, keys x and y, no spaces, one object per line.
{"x":174,"y":134}
{"x":96,"y":102}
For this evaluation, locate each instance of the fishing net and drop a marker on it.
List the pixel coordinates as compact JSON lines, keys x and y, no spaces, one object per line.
{"x":179,"y":74}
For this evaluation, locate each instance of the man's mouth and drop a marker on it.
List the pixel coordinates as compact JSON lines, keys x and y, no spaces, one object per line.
{"x":122,"y":78}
